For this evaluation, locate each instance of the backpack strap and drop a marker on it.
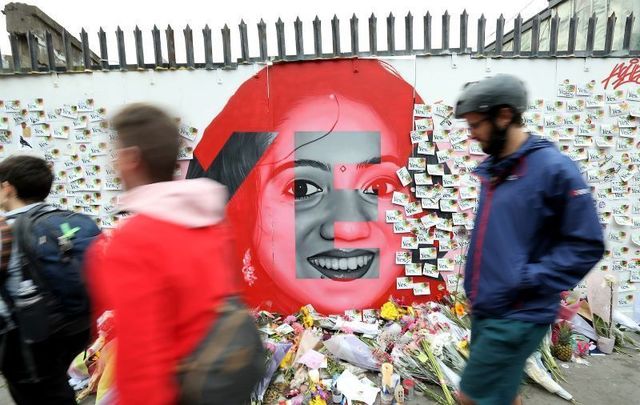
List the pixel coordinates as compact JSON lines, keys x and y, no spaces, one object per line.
{"x":6,"y":239}
{"x":29,"y":265}
{"x":5,"y":249}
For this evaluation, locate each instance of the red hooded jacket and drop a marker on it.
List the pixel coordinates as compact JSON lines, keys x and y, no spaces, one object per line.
{"x":164,"y":271}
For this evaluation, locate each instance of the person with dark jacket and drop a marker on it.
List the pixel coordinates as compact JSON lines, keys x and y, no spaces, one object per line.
{"x":536,"y":235}
{"x":36,"y":373}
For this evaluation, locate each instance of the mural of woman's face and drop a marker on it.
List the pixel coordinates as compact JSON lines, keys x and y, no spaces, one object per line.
{"x":324,"y":187}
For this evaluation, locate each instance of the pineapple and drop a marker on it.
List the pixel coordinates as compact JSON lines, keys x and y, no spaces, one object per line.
{"x":563,"y":349}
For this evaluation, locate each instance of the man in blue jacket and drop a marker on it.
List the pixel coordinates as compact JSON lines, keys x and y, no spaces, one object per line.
{"x":536,"y":234}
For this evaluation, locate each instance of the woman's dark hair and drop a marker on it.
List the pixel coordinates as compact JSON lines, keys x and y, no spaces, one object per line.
{"x":235,"y":160}
{"x":29,"y":175}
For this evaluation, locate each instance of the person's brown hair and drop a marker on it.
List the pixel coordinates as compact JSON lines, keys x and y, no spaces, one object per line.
{"x":155,"y":133}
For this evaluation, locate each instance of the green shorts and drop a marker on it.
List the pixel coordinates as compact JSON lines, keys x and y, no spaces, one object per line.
{"x":498,"y":351}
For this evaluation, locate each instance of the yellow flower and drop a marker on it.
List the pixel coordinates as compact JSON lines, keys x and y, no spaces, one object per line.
{"x":463,"y":348}
{"x":307,"y":319}
{"x":459,"y":309}
{"x":389,"y":311}
{"x":288,"y":359}
{"x":317,"y":401}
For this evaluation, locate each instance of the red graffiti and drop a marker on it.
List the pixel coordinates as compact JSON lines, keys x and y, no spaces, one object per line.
{"x":624,"y":73}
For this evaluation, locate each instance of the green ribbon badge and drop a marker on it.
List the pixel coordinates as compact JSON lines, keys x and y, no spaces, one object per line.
{"x":67,"y":231}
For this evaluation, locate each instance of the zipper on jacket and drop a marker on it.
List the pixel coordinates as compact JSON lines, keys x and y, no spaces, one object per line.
{"x":477,"y":257}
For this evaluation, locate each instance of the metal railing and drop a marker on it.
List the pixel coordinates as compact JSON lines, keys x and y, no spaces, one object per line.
{"x":340,"y":47}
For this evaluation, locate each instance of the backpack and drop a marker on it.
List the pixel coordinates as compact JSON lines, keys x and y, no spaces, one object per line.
{"x":227,"y":364}
{"x":52,"y":245}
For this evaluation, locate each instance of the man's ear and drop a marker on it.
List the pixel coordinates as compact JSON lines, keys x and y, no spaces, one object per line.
{"x":8,"y":189}
{"x":505,"y":116}
{"x":129,"y":158}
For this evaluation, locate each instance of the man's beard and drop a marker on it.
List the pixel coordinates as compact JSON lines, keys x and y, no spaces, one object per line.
{"x":497,"y":141}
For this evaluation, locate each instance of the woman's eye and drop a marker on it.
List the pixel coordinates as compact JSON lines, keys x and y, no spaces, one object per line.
{"x":301,"y":189}
{"x":381,"y":187}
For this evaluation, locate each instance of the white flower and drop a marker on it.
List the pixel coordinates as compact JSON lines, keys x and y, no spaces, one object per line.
{"x":610,"y":280}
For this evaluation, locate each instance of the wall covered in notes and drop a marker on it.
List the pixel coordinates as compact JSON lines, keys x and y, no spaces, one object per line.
{"x":349,"y":179}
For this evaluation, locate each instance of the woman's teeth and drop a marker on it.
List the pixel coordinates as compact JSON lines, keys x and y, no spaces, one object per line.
{"x":351,"y":263}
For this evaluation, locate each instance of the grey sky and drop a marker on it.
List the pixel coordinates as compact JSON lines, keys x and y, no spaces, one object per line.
{"x":75,"y":15}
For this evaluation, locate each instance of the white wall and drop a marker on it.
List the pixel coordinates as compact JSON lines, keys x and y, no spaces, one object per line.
{"x":197,"y":96}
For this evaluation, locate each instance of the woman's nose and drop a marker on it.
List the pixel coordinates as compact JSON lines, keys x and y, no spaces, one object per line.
{"x":353,"y":212}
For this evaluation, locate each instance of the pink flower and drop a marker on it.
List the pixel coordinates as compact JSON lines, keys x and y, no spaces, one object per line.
{"x":290,"y":319}
{"x":346,"y":330}
{"x":412,"y":347}
{"x":582,"y":348}
{"x":270,"y":347}
{"x":297,"y":328}
{"x":407,"y":319}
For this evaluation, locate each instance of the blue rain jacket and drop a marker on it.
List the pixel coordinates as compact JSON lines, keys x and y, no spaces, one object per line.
{"x":536,"y":234}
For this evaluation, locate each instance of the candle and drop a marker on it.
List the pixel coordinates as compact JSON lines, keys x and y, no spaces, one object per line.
{"x":387,"y":370}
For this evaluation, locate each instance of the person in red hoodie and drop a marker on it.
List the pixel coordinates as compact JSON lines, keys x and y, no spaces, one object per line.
{"x":167,"y":267}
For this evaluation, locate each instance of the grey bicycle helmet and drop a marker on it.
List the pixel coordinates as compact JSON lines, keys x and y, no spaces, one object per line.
{"x":499,"y":90}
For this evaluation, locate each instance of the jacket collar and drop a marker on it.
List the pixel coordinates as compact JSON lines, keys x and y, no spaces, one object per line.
{"x":496,"y":170}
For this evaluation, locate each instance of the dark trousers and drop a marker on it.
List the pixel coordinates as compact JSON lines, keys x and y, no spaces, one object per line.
{"x":52,"y":359}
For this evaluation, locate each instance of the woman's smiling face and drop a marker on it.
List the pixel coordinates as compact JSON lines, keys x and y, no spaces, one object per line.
{"x":321,"y":233}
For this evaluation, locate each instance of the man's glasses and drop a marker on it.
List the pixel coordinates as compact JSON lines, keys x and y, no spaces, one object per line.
{"x":476,"y":125}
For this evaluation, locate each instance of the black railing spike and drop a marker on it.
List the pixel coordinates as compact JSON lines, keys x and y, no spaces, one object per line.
{"x":122,"y":54}
{"x":499,"y":35}
{"x":157,"y":46}
{"x":628,"y":28}
{"x":535,"y":35}
{"x":188,"y":44}
{"x":573,"y":31}
{"x":104,"y":55}
{"x":608,"y":39}
{"x":86,"y":52}
{"x":32,"y":43}
{"x":208,"y":47}
{"x":244,"y":41}
{"x":317,"y":37}
{"x":137,"y":35}
{"x":297,"y":28}
{"x":262,"y":40}
{"x":464,"y":30}
{"x":335,"y":35}
{"x":355,"y":39}
{"x":427,"y":32}
{"x":373,"y":34}
{"x":171,"y":47}
{"x":66,"y":44}
{"x":226,"y":45}
{"x":553,"y":35}
{"x":591,"y":33}
{"x":280,"y":39}
{"x":15,"y":52}
{"x":517,"y":35}
{"x":482,"y":26}
{"x":445,"y":30}
{"x":408,"y":32}
{"x":391,"y":33}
